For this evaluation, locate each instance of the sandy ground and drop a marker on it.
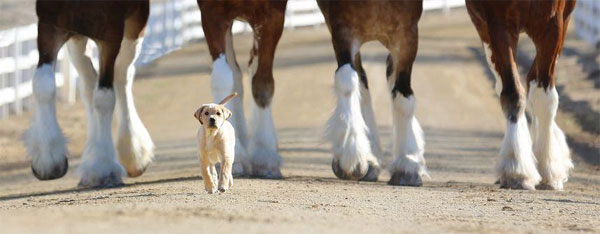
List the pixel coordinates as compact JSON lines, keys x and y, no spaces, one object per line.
{"x":456,"y":105}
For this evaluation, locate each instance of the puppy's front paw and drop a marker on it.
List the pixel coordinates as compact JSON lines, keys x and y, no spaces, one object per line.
{"x":211,"y":190}
{"x":226,"y":184}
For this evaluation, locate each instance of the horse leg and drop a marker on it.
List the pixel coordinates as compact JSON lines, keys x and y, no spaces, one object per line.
{"x":263,"y":148}
{"x":226,"y":78}
{"x":237,"y":106}
{"x":517,"y":164}
{"x":369,"y":117}
{"x":99,"y":166}
{"x":134,"y":145}
{"x":549,"y":144}
{"x":44,"y":140}
{"x":408,"y":145}
{"x":346,"y":128}
{"x":85,"y":69}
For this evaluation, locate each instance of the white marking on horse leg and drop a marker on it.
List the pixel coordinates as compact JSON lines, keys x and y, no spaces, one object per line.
{"x":488,"y":56}
{"x":263,"y":146}
{"x":237,"y":104}
{"x":134,"y":145}
{"x":44,"y":140}
{"x":241,"y":164}
{"x":221,"y":79}
{"x":372,"y":133}
{"x":408,"y":145}
{"x":346,"y":129}
{"x":266,"y":161}
{"x":517,"y":163}
{"x":85,"y":69}
{"x":222,"y":84}
{"x":549,"y":144}
{"x":99,"y":166}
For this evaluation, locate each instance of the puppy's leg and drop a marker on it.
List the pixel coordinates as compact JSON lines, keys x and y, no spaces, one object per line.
{"x":225,"y":177}
{"x":226,"y":76}
{"x":207,"y":171}
{"x":207,"y":177}
{"x":214,"y":175}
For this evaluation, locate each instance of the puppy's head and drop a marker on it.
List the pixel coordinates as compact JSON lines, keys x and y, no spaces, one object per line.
{"x":212,"y":116}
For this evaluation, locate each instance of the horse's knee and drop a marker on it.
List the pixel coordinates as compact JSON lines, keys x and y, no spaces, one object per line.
{"x":263,"y":87}
{"x":512,"y":103}
{"x":401,"y":85}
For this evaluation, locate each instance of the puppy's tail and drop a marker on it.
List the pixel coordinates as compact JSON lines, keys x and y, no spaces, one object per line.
{"x":228,"y":98}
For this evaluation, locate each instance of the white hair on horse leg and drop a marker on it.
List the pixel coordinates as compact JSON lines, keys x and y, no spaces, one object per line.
{"x":44,"y":140}
{"x":263,"y":142}
{"x":99,"y":164}
{"x":134,"y":145}
{"x":238,"y":120}
{"x":488,"y":56}
{"x":346,"y":128}
{"x":549,"y":143}
{"x":409,"y":143}
{"x":517,"y":161}
{"x":221,"y":79}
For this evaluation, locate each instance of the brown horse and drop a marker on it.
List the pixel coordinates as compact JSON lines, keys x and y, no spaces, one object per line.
{"x":499,"y":24}
{"x":352,"y":128}
{"x":266,"y":19}
{"x":117,"y":28}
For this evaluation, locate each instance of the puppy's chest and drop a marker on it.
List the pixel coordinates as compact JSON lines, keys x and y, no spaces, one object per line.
{"x":212,"y":147}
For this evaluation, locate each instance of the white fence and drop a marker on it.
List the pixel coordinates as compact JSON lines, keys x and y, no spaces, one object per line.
{"x":172,"y":23}
{"x":587,"y":20}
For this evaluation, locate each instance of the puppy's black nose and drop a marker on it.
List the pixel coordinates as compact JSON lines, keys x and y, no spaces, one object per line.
{"x":212,"y":121}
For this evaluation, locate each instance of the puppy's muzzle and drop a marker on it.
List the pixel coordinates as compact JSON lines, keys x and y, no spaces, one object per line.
{"x":212,"y":122}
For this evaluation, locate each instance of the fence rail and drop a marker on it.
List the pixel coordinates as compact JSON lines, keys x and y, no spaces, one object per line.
{"x":172,"y":24}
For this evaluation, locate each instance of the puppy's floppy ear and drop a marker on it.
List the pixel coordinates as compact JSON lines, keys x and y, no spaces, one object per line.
{"x":198,"y":114}
{"x":226,"y":113}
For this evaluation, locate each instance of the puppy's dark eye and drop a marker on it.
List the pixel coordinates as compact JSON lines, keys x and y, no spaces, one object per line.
{"x":218,"y":113}
{"x":206,"y":113}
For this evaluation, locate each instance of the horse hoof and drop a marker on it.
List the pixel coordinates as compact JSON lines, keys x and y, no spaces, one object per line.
{"x":516,"y":183}
{"x":401,"y":178}
{"x":57,"y":172}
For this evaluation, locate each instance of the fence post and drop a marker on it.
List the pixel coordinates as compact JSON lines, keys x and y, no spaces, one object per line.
{"x":446,"y":7}
{"x":17,"y":54}
{"x":4,"y":111}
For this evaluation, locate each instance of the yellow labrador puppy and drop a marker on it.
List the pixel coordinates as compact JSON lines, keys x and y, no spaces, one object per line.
{"x":216,"y":144}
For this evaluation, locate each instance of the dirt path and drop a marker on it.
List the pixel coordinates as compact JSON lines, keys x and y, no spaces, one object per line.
{"x":456,"y":106}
